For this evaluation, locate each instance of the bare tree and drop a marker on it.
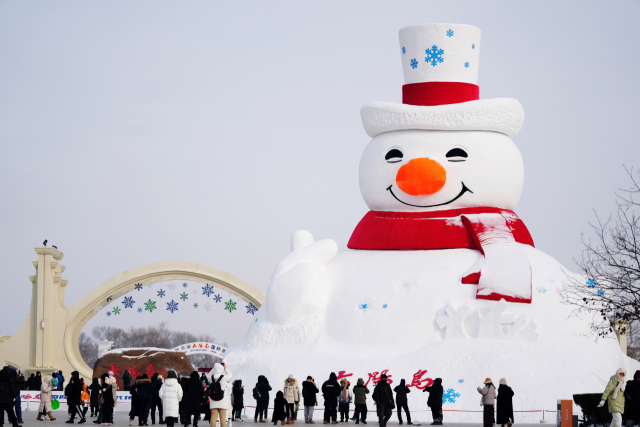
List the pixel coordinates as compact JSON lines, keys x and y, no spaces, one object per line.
{"x":611,"y":264}
{"x":151,"y":336}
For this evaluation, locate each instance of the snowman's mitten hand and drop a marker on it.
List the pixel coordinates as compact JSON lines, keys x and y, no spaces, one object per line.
{"x":299,"y":285}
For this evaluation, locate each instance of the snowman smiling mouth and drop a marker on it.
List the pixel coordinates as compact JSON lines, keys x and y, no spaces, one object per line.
{"x":464,"y":190}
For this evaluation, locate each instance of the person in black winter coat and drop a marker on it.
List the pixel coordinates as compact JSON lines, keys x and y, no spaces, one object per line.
{"x":156,"y":401}
{"x":504,"y":404}
{"x":330,"y":390}
{"x":309,"y":398}
{"x":126,"y":380}
{"x":632,"y":400}
{"x":8,"y":393}
{"x":108,"y":403}
{"x":73,"y":391}
{"x":262,"y":404}
{"x":383,"y":396}
{"x":401,"y":401}
{"x":145,"y":394}
{"x":37,"y":382}
{"x":204,"y":380}
{"x":20,"y":384}
{"x":192,"y":398}
{"x":135,"y":401}
{"x":94,"y":397}
{"x":61,"y":381}
{"x":238,"y":400}
{"x":30,"y":381}
{"x":279,"y":408}
{"x":435,"y":400}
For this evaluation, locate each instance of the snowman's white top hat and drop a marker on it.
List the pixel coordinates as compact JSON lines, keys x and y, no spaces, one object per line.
{"x":440,"y":64}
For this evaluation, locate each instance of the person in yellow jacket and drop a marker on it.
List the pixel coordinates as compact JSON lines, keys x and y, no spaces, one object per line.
{"x":614,"y":393}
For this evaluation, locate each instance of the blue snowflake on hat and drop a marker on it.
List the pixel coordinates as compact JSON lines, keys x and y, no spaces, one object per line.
{"x":434,"y":55}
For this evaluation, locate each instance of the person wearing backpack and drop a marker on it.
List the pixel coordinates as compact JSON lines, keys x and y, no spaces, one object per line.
{"x":309,"y":398}
{"x":145,"y":394}
{"x":261,"y":394}
{"x":171,"y":395}
{"x":219,"y":394}
{"x":383,"y":396}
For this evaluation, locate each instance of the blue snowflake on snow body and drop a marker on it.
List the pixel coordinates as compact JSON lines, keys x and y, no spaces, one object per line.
{"x":460,"y":381}
{"x":591,"y":283}
{"x":138,"y":286}
{"x":172,"y":306}
{"x":385,"y":306}
{"x":139,"y":309}
{"x":434,"y":55}
{"x":161,"y":293}
{"x":541,"y":290}
{"x":251,"y":308}
{"x":600,"y":292}
{"x":466,"y":64}
{"x":128,"y":302}
{"x":450,"y":396}
{"x":363,"y":306}
{"x":450,"y":33}
{"x":207,"y":290}
{"x":404,"y":50}
{"x":217,"y":298}
{"x":195,"y":305}
{"x":414,"y":63}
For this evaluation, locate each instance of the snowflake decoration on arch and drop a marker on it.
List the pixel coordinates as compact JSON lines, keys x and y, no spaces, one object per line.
{"x":217,"y":298}
{"x":116,"y":310}
{"x":184,"y":296}
{"x":150,"y":306}
{"x":172,"y":306}
{"x":195,"y":292}
{"x":139,"y":309}
{"x":128,"y":302}
{"x":466,"y":64}
{"x":172,"y":286}
{"x":109,"y":298}
{"x":230,"y":305}
{"x":207,"y":306}
{"x":251,"y":308}
{"x":97,"y":308}
{"x":414,"y":63}
{"x":207,"y":290}
{"x":161,"y":293}
{"x":138,"y":286}
{"x":450,"y":33}
{"x":185,"y":284}
{"x":434,"y":55}
{"x":195,"y":305}
{"x":450,"y":396}
{"x":108,"y":313}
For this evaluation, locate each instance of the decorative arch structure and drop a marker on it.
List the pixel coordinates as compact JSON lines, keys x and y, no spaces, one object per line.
{"x":48,"y":339}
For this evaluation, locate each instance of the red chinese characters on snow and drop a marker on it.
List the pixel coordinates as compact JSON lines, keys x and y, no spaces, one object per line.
{"x":418,"y":380}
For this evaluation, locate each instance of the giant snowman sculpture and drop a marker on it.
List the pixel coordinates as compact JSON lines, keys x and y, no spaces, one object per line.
{"x":441,"y":278}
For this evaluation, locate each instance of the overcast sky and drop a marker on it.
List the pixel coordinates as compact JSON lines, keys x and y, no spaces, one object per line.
{"x":147,"y":131}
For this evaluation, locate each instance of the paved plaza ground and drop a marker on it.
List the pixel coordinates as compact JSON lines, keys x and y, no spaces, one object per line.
{"x":122,"y":419}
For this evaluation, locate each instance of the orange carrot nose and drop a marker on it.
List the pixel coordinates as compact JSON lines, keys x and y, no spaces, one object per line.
{"x":421,"y":177}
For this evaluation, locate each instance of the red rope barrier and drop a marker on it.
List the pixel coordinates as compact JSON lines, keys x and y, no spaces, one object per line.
{"x":428,"y":410}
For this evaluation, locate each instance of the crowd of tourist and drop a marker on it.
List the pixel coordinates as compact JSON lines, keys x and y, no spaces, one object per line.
{"x":185,"y":399}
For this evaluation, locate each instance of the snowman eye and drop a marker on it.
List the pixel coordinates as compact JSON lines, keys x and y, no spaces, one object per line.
{"x":393,"y":156}
{"x":457,"y":155}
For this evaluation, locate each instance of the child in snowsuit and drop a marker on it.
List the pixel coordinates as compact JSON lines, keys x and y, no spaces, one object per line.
{"x":344,"y":399}
{"x":279,"y":409}
{"x":435,"y":401}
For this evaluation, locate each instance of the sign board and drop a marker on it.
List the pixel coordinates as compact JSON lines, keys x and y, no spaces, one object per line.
{"x":565,"y":413}
{"x":202,"y":348}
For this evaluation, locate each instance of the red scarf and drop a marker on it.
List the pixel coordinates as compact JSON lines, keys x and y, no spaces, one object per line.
{"x":449,"y":229}
{"x":470,"y":228}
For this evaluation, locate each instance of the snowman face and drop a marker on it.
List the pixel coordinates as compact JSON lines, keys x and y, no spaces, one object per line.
{"x":424,"y":170}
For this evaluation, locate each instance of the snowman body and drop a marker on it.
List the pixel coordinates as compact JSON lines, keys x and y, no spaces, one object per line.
{"x":440,"y":278}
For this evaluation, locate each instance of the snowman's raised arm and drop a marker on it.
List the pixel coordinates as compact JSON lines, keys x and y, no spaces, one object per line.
{"x":299,"y":288}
